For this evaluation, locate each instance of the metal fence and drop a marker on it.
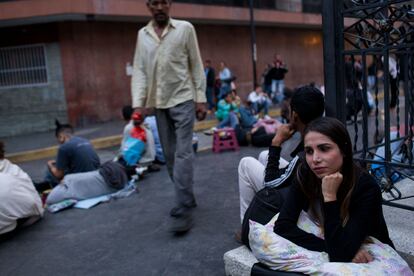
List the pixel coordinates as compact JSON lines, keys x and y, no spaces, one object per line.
{"x":369,"y":79}
{"x":23,"y":66}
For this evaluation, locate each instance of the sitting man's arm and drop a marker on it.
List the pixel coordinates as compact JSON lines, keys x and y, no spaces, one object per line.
{"x":54,"y":170}
{"x":62,"y":163}
{"x":272,"y":172}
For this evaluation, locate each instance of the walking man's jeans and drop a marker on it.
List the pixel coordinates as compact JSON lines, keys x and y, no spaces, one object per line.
{"x":175,"y":127}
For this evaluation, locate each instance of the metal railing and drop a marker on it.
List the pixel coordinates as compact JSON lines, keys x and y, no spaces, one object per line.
{"x":369,"y":79}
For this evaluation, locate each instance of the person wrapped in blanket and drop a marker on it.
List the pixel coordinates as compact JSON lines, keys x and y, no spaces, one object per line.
{"x":20,"y":204}
{"x":343,"y":199}
{"x":112,"y":175}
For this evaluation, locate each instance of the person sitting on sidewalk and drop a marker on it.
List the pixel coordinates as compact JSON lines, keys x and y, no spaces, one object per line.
{"x":149,"y":156}
{"x":75,"y":154}
{"x":258,"y":133}
{"x":225,"y":107}
{"x":20,"y":204}
{"x":307,"y":104}
{"x":236,"y":99}
{"x":259,"y":100}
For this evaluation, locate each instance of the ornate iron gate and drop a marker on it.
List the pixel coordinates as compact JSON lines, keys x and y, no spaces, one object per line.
{"x":369,"y":83}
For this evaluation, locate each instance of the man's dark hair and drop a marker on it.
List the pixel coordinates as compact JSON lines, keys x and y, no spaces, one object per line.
{"x":287,"y":92}
{"x":1,"y":150}
{"x":62,"y":128}
{"x":127,"y":111}
{"x":308,"y":102}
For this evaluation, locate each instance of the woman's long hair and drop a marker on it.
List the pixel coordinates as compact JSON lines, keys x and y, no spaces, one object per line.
{"x":311,"y":184}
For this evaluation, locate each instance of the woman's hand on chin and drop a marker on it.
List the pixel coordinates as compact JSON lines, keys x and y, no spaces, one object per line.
{"x":330,"y":186}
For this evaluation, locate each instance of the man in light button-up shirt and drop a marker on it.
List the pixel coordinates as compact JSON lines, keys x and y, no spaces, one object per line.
{"x":168,"y":75}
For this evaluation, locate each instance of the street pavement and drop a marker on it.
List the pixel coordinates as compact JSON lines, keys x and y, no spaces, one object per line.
{"x":130,"y":237}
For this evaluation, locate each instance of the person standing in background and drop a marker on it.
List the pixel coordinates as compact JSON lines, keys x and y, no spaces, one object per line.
{"x":225,"y":80}
{"x":277,"y":74}
{"x":211,"y":79}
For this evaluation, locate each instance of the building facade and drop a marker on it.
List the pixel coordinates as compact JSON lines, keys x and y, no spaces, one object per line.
{"x":70,"y":59}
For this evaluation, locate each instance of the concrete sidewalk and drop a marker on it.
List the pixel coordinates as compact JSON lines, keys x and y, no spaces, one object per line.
{"x":42,"y":145}
{"x":36,"y":146}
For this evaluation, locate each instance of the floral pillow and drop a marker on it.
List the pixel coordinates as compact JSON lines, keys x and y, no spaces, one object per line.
{"x":281,"y":254}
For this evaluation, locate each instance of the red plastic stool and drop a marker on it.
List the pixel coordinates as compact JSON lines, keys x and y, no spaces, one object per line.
{"x":224,"y":139}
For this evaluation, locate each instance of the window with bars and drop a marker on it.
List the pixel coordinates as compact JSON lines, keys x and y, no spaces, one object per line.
{"x":23,"y":66}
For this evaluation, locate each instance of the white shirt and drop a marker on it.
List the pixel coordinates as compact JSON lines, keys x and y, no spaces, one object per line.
{"x":167,"y":71}
{"x":256,"y":98}
{"x":392,"y":66}
{"x":18,"y":196}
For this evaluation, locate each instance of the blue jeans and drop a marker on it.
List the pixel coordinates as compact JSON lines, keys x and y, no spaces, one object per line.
{"x":247,"y":119}
{"x":277,"y":88}
{"x":175,"y":128}
{"x":259,"y":106}
{"x":268,"y":89}
{"x":209,"y":96}
{"x":230,"y":121}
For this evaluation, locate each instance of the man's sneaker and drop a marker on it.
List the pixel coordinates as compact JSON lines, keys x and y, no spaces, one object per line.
{"x":154,"y":168}
{"x":178,"y":211}
{"x":182,"y":224}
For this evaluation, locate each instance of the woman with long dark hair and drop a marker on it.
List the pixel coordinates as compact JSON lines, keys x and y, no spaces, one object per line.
{"x":340,"y":197}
